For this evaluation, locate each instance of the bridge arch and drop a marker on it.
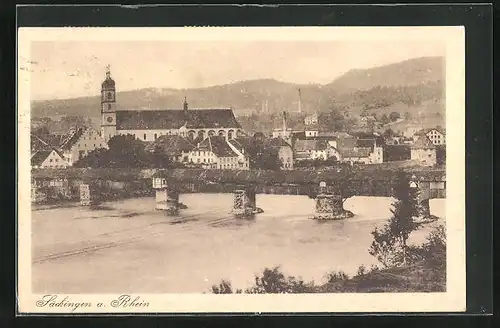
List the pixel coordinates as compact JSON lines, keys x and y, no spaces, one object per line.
{"x":202,"y":134}
{"x":222,"y":133}
{"x":211,"y":133}
{"x":231,"y":134}
{"x":191,"y":135}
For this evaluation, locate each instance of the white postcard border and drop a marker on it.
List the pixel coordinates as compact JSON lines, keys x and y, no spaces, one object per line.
{"x":451,"y":301}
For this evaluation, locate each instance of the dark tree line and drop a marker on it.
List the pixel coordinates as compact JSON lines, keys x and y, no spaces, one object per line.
{"x":125,"y":152}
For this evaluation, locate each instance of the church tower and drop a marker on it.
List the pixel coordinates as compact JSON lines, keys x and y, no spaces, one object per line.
{"x":108,"y":107}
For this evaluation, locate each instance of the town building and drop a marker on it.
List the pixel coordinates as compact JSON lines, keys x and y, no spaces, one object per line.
{"x":311,"y":119}
{"x":73,"y":146}
{"x":148,"y":125}
{"x":284,"y":132}
{"x":80,"y":142}
{"x":312,"y":130}
{"x":356,"y":155}
{"x":176,"y":147}
{"x":52,"y":159}
{"x":217,"y":152}
{"x":410,"y":131}
{"x":310,"y":149}
{"x":284,"y":149}
{"x":435,"y":135}
{"x":423,"y":151}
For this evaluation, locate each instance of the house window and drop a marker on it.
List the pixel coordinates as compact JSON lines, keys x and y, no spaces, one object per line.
{"x":144,"y":136}
{"x":156,"y":136}
{"x":50,"y":160}
{"x":109,"y":106}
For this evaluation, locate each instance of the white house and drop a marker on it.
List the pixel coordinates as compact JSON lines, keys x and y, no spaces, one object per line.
{"x":216,"y":152}
{"x":80,"y":142}
{"x":435,"y":135}
{"x":52,"y":159}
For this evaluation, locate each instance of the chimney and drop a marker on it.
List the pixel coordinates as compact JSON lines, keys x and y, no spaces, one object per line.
{"x":185,"y":104}
{"x":284,"y":122}
{"x":300,"y":102}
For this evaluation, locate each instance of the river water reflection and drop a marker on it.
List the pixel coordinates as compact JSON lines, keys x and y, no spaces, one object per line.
{"x":140,"y":250}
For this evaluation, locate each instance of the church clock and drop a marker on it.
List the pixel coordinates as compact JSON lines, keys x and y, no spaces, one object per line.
{"x":109,"y":119}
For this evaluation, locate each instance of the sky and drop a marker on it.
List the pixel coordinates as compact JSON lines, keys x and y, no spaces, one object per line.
{"x":60,"y":70}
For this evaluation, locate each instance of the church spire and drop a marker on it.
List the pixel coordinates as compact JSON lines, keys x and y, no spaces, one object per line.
{"x":108,"y":71}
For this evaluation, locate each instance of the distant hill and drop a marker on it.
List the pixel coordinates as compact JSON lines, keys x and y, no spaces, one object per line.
{"x":412,"y":72}
{"x":408,"y":85}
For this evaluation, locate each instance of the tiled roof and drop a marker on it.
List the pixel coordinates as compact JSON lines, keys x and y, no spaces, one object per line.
{"x":299,"y":135}
{"x":38,"y":143}
{"x":72,"y":138}
{"x":246,"y":143}
{"x":300,"y":156}
{"x":423,"y":142}
{"x":172,"y":144}
{"x":276,"y":142}
{"x":355,"y":152}
{"x":174,"y":119}
{"x":425,"y":131}
{"x":218,"y":145}
{"x":40,"y":156}
{"x":312,"y":127}
{"x":306,"y":145}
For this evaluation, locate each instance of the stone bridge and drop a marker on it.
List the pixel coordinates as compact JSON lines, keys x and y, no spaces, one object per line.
{"x":331,"y":187}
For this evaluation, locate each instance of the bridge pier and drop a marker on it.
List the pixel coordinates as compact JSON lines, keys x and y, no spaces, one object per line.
{"x":167,"y":195}
{"x":329,"y":206}
{"x":244,"y":201}
{"x":88,"y":195}
{"x":167,"y":199}
{"x":425,"y":210}
{"x":425,"y":191}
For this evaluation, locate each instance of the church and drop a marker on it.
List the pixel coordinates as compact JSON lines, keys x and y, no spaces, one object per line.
{"x":148,"y":125}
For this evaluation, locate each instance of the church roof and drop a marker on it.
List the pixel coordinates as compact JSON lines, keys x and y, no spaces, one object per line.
{"x":109,"y":83}
{"x":218,"y":145}
{"x":174,"y":119}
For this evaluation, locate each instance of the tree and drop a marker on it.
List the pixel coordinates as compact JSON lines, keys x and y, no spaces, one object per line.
{"x":124,"y":152}
{"x":408,"y":116}
{"x":384,"y":119}
{"x":390,"y":243}
{"x":388,"y":133}
{"x":268,"y":159}
{"x":394,"y":116}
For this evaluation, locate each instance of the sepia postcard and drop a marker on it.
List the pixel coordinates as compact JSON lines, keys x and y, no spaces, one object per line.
{"x":241,"y":170}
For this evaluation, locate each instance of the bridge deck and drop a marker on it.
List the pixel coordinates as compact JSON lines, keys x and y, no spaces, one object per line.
{"x":300,"y":177}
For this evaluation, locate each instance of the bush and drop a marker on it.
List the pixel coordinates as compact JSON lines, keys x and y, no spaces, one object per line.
{"x":224,"y":287}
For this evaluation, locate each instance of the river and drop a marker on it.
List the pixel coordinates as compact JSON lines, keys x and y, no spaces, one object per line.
{"x":128,"y":246}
